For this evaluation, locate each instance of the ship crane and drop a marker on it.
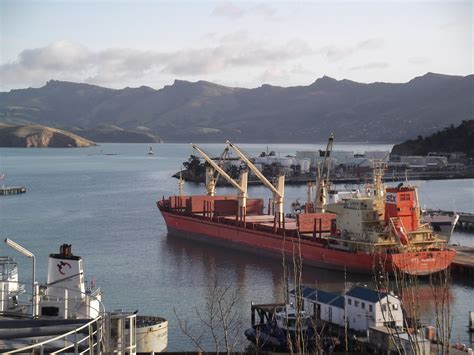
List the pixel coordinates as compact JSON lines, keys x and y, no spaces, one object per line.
{"x":278,"y":191}
{"x":323,"y":183}
{"x":241,"y":185}
{"x":212,"y":177}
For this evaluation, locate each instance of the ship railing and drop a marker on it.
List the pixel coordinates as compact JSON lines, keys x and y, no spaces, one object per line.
{"x":12,"y":299}
{"x":87,"y":338}
{"x":68,"y":298}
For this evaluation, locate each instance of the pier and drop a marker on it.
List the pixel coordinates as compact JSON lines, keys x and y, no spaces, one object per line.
{"x":465,"y":222}
{"x":463,"y":263}
{"x":12,"y":190}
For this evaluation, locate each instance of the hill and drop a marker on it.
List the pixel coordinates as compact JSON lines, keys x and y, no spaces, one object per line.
{"x":111,"y":134}
{"x":40,"y":137}
{"x":451,"y":139}
{"x":207,"y":112}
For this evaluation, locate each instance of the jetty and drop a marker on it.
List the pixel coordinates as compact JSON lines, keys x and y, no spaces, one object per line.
{"x":463,"y":263}
{"x":465,"y":222}
{"x":12,"y":190}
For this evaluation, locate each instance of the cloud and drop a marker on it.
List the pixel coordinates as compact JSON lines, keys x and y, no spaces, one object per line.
{"x":229,"y":10}
{"x":418,"y":60}
{"x":276,"y":75}
{"x":264,"y":10}
{"x":374,"y":65}
{"x":339,"y":53}
{"x":233,"y":11}
{"x":65,"y":60}
{"x":234,"y":53}
{"x":59,"y":55}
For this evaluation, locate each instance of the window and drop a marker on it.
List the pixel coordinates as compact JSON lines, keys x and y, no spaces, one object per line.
{"x":395,"y":306}
{"x":349,"y":301}
{"x":356,"y":303}
{"x":370,"y":308}
{"x":405,"y":197}
{"x":363,"y":305}
{"x":384,"y":308}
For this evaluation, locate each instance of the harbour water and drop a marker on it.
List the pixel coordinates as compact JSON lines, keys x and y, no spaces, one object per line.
{"x":102,"y":201}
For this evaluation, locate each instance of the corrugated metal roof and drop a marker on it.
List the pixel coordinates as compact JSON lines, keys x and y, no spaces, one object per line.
{"x":366,"y":294}
{"x":306,"y":291}
{"x":314,"y":294}
{"x":326,"y":297}
{"x":338,"y":302}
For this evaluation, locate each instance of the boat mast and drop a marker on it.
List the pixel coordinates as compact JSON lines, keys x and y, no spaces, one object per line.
{"x":323,"y":183}
{"x":278,"y":191}
{"x":241,"y":185}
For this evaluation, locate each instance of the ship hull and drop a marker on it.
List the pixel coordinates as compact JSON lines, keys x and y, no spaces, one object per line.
{"x":312,"y":253}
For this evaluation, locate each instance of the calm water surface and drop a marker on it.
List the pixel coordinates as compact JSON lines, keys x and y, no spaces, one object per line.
{"x":104,"y":205}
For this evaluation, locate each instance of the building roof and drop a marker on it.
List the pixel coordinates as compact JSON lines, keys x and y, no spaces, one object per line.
{"x":306,"y":292}
{"x":366,"y":294}
{"x":325,"y":297}
{"x":316,"y":295}
{"x":338,"y":302}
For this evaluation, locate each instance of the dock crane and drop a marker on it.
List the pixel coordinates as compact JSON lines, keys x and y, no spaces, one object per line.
{"x":241,"y":186}
{"x":278,"y":190}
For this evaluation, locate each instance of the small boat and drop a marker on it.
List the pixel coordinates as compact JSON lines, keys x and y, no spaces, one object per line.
{"x":150,"y":152}
{"x":275,"y":333}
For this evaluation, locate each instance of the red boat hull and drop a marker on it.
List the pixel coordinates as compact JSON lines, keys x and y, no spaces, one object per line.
{"x":312,"y":253}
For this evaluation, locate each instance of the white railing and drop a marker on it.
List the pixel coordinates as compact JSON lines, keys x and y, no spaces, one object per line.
{"x":91,"y":342}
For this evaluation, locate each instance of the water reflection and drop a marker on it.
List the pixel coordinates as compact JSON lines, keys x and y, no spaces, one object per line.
{"x":260,"y":279}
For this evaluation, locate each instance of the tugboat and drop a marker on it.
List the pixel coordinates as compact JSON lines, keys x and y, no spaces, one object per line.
{"x":66,"y":316}
{"x":281,"y":328}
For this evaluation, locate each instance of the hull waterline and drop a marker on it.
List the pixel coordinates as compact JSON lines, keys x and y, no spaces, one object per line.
{"x":312,"y":253}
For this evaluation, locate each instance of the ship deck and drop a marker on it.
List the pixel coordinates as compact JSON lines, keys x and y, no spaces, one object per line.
{"x":267,"y":221}
{"x":289,"y":227}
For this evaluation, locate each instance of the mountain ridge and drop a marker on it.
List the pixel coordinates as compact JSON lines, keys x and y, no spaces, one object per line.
{"x":204,"y":111}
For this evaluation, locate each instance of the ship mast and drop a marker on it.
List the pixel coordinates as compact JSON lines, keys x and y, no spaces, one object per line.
{"x":323,"y":183}
{"x":241,"y":185}
{"x":278,"y":191}
{"x":378,"y":171}
{"x":181,"y":184}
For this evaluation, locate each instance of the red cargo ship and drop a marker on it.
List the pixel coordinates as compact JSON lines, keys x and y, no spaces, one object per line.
{"x":358,"y":234}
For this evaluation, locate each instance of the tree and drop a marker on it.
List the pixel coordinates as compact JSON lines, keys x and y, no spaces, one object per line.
{"x":220,"y":320}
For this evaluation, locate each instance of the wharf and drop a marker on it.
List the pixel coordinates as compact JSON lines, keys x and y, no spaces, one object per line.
{"x":463,"y":263}
{"x":350,"y":177}
{"x":12,"y":190}
{"x":465,"y":222}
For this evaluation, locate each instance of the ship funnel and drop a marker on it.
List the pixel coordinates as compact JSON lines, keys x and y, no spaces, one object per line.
{"x":65,"y":271}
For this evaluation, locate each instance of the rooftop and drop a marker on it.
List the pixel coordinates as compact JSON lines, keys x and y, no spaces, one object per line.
{"x":366,"y":294}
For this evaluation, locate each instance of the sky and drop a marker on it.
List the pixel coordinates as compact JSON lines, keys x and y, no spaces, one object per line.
{"x":121,"y":44}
